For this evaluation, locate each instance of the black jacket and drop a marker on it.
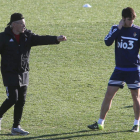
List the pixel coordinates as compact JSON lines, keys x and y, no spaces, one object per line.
{"x":15,"y":57}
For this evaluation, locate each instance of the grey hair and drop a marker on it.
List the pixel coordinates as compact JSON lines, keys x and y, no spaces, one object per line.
{"x":11,"y":25}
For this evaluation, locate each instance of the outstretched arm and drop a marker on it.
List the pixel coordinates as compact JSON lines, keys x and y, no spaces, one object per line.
{"x":46,"y":39}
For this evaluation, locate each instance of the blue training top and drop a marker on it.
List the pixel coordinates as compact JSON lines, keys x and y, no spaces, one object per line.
{"x":127,"y":44}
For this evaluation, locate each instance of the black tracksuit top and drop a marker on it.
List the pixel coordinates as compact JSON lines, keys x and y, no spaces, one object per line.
{"x":15,"y":57}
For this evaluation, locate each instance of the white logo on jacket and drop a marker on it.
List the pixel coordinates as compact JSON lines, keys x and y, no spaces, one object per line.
{"x":11,"y":40}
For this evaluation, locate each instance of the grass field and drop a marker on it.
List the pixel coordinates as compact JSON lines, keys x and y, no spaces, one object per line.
{"x":68,"y":81}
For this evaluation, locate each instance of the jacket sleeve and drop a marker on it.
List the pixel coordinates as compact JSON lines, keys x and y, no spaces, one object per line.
{"x":112,"y":35}
{"x":43,"y":40}
{"x":1,"y":42}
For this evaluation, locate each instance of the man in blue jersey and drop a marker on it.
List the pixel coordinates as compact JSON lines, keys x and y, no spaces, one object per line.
{"x":127,"y":42}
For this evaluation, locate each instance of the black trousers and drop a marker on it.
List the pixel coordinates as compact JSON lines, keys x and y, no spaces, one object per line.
{"x":16,"y":96}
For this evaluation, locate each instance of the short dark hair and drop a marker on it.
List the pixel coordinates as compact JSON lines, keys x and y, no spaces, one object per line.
{"x":128,"y":12}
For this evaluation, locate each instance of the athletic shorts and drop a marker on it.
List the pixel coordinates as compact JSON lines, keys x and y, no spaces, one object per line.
{"x":131,"y":78}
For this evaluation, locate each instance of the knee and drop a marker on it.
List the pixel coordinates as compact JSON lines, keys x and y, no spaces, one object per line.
{"x":108,"y":96}
{"x":12,"y":100}
{"x":20,"y":103}
{"x":135,"y":95}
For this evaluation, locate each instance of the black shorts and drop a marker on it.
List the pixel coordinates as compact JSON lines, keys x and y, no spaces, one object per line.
{"x":131,"y":78}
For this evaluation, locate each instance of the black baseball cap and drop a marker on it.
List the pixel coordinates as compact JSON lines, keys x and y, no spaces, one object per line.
{"x":15,"y":17}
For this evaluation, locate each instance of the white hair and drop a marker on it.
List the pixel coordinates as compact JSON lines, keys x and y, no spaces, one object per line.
{"x":11,"y":25}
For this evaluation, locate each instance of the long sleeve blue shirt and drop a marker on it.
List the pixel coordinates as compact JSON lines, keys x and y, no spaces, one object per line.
{"x":127,"y":44}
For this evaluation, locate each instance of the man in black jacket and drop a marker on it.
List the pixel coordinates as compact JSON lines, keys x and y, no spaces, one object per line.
{"x":15,"y":45}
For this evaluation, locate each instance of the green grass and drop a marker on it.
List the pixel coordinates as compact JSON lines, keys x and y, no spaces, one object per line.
{"x":68,"y":81}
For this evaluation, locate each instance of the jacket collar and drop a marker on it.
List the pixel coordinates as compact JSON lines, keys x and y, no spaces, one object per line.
{"x":8,"y":30}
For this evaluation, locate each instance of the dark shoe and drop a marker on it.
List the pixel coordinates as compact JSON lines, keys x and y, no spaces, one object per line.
{"x":135,"y":128}
{"x":96,"y":126}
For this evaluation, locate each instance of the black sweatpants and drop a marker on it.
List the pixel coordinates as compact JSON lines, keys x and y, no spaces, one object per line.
{"x":16,"y":96}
